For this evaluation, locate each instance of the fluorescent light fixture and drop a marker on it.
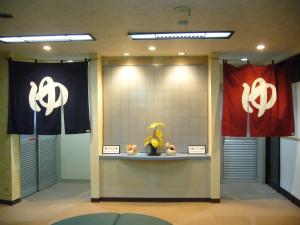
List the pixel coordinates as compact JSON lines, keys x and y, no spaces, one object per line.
{"x":218,"y":34}
{"x":142,"y":36}
{"x":126,"y":54}
{"x":181,"y":53}
{"x":11,"y":39}
{"x":244,"y":59}
{"x":181,"y":35}
{"x":81,"y":37}
{"x":47,"y":38}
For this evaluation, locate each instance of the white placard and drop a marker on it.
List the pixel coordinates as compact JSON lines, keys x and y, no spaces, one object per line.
{"x":111,"y":149}
{"x":197,"y":149}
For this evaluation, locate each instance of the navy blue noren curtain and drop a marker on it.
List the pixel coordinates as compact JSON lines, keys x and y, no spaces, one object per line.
{"x":44,"y":88}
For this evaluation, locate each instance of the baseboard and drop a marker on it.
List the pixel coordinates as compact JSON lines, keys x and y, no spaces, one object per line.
{"x":95,"y":199}
{"x":8,"y":202}
{"x":285,"y":193}
{"x":273,"y":185}
{"x":289,"y":196}
{"x":119,"y":199}
{"x":215,"y":200}
{"x":297,"y":201}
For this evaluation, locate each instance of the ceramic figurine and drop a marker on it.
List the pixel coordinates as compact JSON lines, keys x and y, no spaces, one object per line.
{"x":171,"y":150}
{"x":131,"y":149}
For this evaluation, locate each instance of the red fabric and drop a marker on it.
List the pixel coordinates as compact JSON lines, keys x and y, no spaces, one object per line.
{"x":234,"y":117}
{"x":268,"y":101}
{"x":285,"y":109}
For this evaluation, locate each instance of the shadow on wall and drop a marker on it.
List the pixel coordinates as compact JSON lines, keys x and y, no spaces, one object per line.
{"x":248,"y":191}
{"x":62,"y":191}
{"x":74,"y":155}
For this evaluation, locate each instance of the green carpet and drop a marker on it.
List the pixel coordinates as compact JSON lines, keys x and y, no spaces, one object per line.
{"x":112,"y":219}
{"x":138,"y":219}
{"x":91,"y":219}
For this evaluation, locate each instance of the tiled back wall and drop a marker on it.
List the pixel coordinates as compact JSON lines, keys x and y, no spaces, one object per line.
{"x":136,"y":96}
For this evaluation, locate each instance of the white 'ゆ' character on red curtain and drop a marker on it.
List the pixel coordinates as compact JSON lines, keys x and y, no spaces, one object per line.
{"x":262,"y":93}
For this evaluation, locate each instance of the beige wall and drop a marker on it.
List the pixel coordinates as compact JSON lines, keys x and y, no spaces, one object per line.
{"x":136,"y":96}
{"x":9,"y":144}
{"x":155,"y":179}
{"x":214,"y":122}
{"x":290,"y":152}
{"x":188,"y":178}
{"x":96,"y":117}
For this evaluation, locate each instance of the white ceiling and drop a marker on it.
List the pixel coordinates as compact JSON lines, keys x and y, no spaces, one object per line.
{"x":272,"y":22}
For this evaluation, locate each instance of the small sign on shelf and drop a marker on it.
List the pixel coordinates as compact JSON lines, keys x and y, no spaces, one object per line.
{"x":197,"y":149}
{"x":111,"y":149}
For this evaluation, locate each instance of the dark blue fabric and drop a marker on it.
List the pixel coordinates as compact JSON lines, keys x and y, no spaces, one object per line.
{"x":73,"y":76}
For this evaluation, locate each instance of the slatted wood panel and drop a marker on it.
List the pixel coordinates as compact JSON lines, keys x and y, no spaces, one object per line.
{"x":48,"y":169}
{"x":28,"y":163}
{"x":240,"y":158}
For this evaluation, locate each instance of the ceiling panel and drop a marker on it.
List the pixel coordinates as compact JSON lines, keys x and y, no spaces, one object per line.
{"x":273,"y":22}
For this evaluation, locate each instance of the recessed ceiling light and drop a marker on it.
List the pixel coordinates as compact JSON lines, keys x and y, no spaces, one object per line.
{"x":47,"y":48}
{"x":152,"y":48}
{"x":48,"y":38}
{"x":260,"y":47}
{"x":181,"y":53}
{"x":244,"y":59}
{"x":126,"y":54}
{"x":181,"y":35}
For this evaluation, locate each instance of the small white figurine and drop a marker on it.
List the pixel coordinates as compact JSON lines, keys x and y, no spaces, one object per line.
{"x":131,"y":149}
{"x":171,"y":150}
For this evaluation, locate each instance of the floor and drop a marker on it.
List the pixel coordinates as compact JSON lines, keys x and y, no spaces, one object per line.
{"x":242,"y":204}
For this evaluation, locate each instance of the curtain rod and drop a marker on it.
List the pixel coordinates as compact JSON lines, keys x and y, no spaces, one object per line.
{"x":224,"y":59}
{"x":50,"y":60}
{"x":236,"y":60}
{"x":92,"y":59}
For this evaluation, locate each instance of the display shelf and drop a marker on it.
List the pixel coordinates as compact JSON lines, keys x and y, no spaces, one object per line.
{"x":145,"y":156}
